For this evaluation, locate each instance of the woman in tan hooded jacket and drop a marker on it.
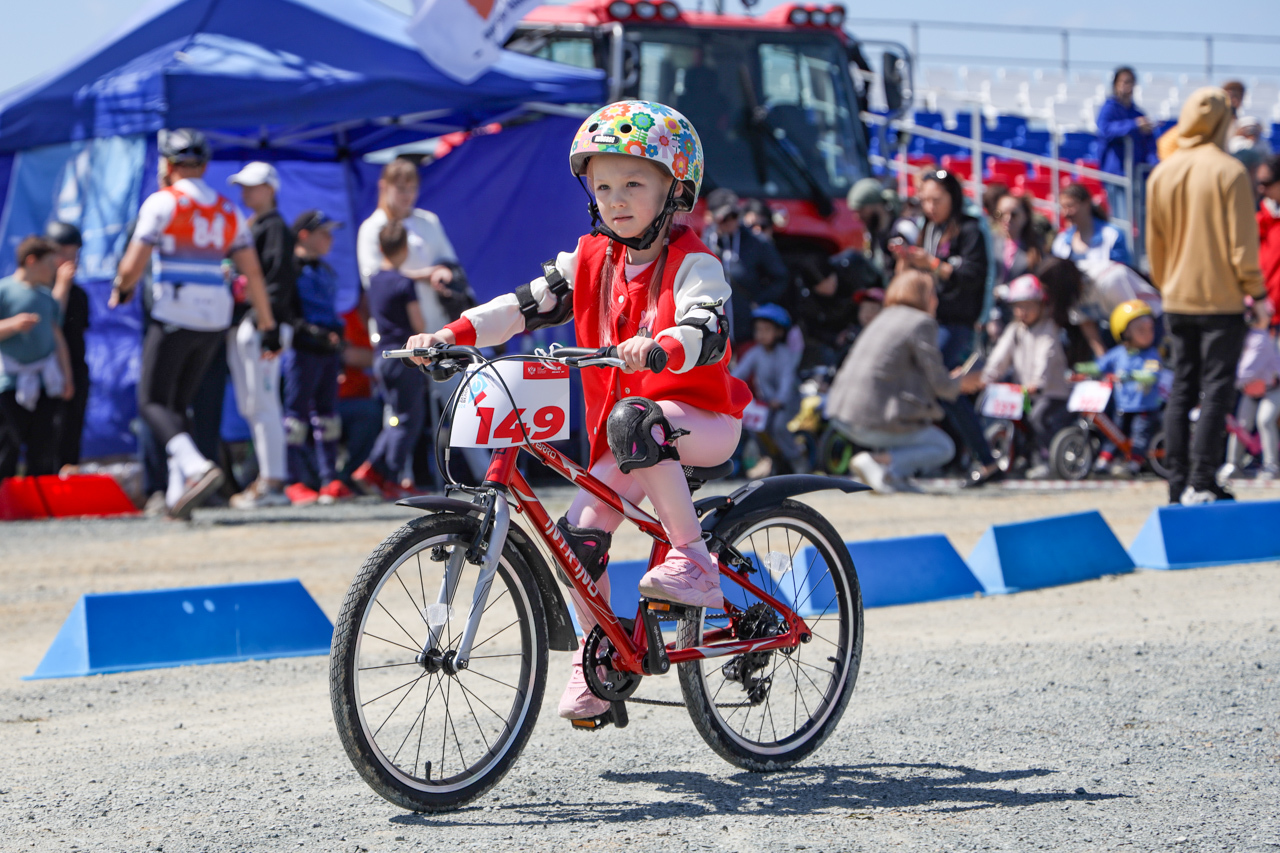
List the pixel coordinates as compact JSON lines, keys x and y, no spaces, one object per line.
{"x":1202,"y":242}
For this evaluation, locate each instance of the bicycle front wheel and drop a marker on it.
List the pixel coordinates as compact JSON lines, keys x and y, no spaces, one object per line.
{"x":768,"y":710}
{"x":425,"y":734}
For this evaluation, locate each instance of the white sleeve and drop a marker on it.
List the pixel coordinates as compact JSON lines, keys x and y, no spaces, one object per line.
{"x":499,"y":320}
{"x":440,"y":244}
{"x":701,"y":293}
{"x":368,"y":254}
{"x":153,"y":217}
{"x":244,"y":236}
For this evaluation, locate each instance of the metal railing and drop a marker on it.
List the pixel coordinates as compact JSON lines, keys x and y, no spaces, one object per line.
{"x":1067,"y":37}
{"x":978,"y":149}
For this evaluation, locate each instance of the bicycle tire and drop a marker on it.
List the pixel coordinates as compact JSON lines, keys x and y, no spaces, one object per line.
{"x":835,"y":449}
{"x":1071,"y":454}
{"x":713,"y":712}
{"x":369,"y":755}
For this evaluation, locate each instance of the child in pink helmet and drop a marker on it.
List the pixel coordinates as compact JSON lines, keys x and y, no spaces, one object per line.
{"x":637,"y":281}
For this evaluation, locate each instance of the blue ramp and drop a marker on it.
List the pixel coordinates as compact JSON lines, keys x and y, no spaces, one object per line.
{"x":123,"y":631}
{"x":1048,"y":552}
{"x":911,"y":569}
{"x":1217,"y":534}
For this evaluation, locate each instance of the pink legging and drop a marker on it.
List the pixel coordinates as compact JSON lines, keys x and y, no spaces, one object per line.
{"x":711,"y":440}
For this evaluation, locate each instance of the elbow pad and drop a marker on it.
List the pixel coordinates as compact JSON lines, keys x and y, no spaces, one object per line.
{"x":715,"y":334}
{"x":559,"y":314}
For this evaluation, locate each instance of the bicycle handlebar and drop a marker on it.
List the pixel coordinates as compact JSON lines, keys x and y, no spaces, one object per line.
{"x":655,"y":361}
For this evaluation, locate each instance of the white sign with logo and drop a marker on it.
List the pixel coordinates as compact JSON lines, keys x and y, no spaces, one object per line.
{"x":484,"y":416}
{"x":1002,"y":401}
{"x":1089,"y":396}
{"x":755,"y":417}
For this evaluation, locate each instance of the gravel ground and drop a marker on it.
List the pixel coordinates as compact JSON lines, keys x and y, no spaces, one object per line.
{"x":1137,"y":712}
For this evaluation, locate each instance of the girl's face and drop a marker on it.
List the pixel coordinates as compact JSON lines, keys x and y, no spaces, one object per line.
{"x":1072,"y":209}
{"x":935,"y":202}
{"x":1141,"y":332}
{"x":629,"y":191}
{"x":1009,"y":215}
{"x":398,"y":198}
{"x":1027,"y":313}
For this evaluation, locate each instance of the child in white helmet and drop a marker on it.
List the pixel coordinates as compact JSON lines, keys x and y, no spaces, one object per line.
{"x":636,"y":282}
{"x":1032,"y":347}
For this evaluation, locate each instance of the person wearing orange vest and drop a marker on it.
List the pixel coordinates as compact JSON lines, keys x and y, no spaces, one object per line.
{"x":184,"y":232}
{"x":638,"y":283}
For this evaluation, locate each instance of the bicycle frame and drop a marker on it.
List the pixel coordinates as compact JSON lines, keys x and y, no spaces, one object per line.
{"x":630,"y":648}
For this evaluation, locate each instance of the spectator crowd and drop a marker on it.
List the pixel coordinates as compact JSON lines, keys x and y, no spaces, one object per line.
{"x":889,"y":361}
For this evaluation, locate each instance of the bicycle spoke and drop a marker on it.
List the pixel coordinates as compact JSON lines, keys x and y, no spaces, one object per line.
{"x":472,"y":709}
{"x":486,"y":704}
{"x":475,"y":646}
{"x":412,"y":638}
{"x":494,"y":680}
{"x":412,"y":725}
{"x":422,"y":614}
{"x":387,"y":665}
{"x":393,"y":690}
{"x":422,"y":585}
{"x":453,"y":728}
{"x":411,"y":685}
{"x":416,"y":651}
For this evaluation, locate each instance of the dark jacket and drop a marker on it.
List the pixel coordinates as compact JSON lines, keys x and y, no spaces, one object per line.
{"x":894,"y":375}
{"x":275,"y":243}
{"x":756,"y":274}
{"x":961,"y":296}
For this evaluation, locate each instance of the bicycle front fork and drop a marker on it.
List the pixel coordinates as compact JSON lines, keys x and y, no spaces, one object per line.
{"x":485,"y":551}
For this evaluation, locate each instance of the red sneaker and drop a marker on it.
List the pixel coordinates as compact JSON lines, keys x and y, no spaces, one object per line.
{"x":334,"y":491}
{"x":368,"y":479}
{"x":300,"y":494}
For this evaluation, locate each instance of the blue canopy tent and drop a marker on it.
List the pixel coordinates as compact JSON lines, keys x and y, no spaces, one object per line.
{"x":310,"y":84}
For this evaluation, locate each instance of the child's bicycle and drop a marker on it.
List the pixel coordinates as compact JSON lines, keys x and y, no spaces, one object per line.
{"x":1075,"y":448}
{"x":439,"y":653}
{"x":1005,"y":406}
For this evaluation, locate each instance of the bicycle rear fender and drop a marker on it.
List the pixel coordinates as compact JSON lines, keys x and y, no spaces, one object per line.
{"x":722,"y":510}
{"x":561,"y":636}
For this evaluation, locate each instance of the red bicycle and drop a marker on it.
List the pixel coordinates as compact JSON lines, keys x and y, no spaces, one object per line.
{"x":435,"y":692}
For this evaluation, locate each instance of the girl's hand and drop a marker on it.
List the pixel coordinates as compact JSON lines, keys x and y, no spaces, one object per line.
{"x":634,"y":352}
{"x":444,"y":337}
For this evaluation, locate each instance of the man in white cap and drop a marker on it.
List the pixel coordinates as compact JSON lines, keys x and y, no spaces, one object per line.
{"x":1246,"y":143}
{"x":255,"y":372}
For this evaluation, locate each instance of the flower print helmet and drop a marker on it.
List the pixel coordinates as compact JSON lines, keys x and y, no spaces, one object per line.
{"x":641,"y":129}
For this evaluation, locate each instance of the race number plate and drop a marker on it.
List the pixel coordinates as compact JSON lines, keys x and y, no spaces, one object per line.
{"x":1003,"y":401}
{"x":755,"y":417}
{"x":1089,"y":396}
{"x":484,"y":416}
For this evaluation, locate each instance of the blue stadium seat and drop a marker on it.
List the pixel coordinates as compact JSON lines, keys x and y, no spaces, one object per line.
{"x":1078,"y":146}
{"x":1034,"y":142}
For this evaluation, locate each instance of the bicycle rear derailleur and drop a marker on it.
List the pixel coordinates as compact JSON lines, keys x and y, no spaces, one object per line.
{"x":758,"y":622}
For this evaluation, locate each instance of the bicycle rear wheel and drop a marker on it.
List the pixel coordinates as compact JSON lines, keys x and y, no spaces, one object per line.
{"x":423,"y":733}
{"x":768,"y":710}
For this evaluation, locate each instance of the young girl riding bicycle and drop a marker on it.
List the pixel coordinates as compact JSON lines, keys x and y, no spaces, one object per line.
{"x":640,"y":282}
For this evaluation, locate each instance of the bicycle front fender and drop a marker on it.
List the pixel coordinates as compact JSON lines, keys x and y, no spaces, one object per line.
{"x":561,"y":636}
{"x":762,"y":494}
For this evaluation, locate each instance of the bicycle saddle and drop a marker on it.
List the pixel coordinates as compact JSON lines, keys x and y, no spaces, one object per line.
{"x":702,"y":475}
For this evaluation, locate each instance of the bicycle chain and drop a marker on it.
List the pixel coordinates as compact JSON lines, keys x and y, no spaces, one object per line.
{"x":667,"y":703}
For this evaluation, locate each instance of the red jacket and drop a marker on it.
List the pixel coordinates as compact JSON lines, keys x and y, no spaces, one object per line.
{"x":709,"y":387}
{"x":1269,"y":257}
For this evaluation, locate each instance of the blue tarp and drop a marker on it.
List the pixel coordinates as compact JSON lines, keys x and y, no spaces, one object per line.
{"x":282,"y":79}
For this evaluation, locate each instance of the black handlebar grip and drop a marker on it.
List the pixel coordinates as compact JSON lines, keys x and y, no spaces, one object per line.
{"x":656,"y":360}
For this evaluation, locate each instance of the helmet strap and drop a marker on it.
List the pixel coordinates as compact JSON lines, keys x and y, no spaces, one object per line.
{"x":645,"y":239}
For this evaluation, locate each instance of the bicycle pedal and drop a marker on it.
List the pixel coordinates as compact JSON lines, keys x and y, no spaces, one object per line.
{"x":655,"y":657}
{"x":617,"y":714}
{"x":667,"y":611}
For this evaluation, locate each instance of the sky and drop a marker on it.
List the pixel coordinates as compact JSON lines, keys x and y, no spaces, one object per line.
{"x":44,"y":36}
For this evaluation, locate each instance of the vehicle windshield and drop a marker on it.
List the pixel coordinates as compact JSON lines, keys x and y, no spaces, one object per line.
{"x":801,"y":80}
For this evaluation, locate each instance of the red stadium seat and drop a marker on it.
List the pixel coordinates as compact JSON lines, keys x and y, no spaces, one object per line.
{"x":961,"y":167}
{"x":1008,"y":171}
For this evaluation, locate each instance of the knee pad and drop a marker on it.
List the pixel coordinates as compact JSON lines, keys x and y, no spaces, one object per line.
{"x":295,"y":432}
{"x":329,"y":427}
{"x":630,"y":433}
{"x":589,"y":544}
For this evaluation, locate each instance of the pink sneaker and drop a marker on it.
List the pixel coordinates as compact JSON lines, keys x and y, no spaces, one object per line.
{"x":683,"y":578}
{"x":578,"y":702}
